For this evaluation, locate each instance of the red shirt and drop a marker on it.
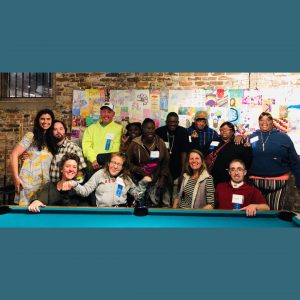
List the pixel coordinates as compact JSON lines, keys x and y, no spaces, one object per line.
{"x":224,"y":192}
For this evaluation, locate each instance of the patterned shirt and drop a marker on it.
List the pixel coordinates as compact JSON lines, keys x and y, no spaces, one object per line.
{"x":186,"y":201}
{"x":66,"y":147}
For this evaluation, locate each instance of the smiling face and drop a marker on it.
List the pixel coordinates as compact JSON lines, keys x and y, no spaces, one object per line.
{"x":237,"y":172}
{"x":115,"y":166}
{"x":195,"y":161}
{"x":69,"y":169}
{"x":265,"y":124}
{"x":226,"y":133}
{"x":45,"y":121}
{"x":106,"y":115}
{"x":134,"y":131}
{"x":149,"y":131}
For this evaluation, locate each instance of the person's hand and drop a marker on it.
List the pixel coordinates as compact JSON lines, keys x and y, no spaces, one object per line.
{"x":35,"y":206}
{"x":175,"y":203}
{"x":250,"y":210}
{"x":147,"y":179}
{"x":124,"y":138}
{"x":24,"y":155}
{"x":247,"y":143}
{"x":95,"y":165}
{"x":194,"y":134}
{"x":238,"y":139}
{"x":64,"y":185}
{"x":18,"y":184}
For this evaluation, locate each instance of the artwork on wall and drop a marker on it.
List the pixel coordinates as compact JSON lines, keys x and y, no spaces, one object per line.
{"x":239,"y":106}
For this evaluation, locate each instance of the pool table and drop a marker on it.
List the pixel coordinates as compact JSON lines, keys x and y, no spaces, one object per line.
{"x":90,"y":217}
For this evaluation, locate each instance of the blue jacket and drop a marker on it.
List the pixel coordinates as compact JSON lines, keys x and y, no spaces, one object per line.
{"x":205,"y":137}
{"x":279,"y":155}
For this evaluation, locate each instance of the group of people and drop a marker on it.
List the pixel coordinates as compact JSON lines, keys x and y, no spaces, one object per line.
{"x":169,"y":166}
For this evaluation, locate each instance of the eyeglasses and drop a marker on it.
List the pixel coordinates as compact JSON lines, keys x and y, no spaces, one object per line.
{"x":225,"y":130}
{"x":236,"y":170}
{"x":116,"y":164}
{"x":200,"y":119}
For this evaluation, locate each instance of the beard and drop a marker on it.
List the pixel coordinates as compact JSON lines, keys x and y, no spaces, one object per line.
{"x":59,"y":139}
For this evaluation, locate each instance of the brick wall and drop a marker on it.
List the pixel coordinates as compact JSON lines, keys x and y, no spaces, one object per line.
{"x":17,"y":117}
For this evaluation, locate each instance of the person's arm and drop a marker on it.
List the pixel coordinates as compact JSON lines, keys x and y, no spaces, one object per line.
{"x":87,"y":146}
{"x":14,"y":156}
{"x":164,"y":170}
{"x":209,"y":193}
{"x":88,"y":187}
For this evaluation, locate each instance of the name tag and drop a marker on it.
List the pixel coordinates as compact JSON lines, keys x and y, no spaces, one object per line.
{"x":154,"y":154}
{"x":109,"y":137}
{"x":119,"y":190}
{"x":254,"y":139}
{"x":215,"y":143}
{"x":239,"y":199}
{"x":167,"y":145}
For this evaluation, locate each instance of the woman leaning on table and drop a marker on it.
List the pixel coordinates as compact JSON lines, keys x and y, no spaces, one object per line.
{"x":274,"y":156}
{"x":197,"y":187}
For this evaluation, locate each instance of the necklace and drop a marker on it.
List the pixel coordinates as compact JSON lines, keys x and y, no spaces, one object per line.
{"x":264,"y":142}
{"x":170,"y":144}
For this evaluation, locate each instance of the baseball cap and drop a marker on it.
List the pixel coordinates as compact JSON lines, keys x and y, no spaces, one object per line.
{"x":108,"y":105}
{"x":201,"y":115}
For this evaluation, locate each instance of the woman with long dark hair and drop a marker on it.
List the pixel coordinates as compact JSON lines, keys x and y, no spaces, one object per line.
{"x":34,"y":173}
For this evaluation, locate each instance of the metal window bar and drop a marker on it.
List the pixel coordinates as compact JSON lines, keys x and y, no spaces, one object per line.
{"x":25,"y":85}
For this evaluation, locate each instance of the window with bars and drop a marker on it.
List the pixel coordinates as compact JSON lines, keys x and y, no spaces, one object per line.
{"x":25,"y":85}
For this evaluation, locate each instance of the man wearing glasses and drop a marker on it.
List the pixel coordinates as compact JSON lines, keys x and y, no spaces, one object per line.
{"x":237,"y":194}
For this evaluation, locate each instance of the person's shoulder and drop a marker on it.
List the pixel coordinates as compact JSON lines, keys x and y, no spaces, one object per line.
{"x":181,"y":129}
{"x":29,"y":135}
{"x":222,"y":185}
{"x":161,"y":129}
{"x":116,"y":125}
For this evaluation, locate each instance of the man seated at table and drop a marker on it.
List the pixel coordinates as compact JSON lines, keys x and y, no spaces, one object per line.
{"x":237,"y":193}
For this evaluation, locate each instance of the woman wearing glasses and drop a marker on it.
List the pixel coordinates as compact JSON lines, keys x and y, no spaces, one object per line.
{"x":111,"y":184}
{"x":225,"y":151}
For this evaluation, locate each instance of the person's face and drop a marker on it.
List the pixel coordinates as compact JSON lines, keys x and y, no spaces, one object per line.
{"x":200,"y":123}
{"x":195,"y":161}
{"x":106,"y":115}
{"x":69,"y":169}
{"x":226,"y":133}
{"x":59,"y":131}
{"x":115,"y":166}
{"x":237,"y":172}
{"x":134,"y":131}
{"x":172,"y":123}
{"x":45,"y":121}
{"x":149,"y":131}
{"x":265,"y":124}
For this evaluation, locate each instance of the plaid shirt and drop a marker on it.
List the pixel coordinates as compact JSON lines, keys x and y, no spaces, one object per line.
{"x":66,"y":147}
